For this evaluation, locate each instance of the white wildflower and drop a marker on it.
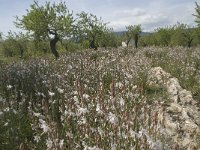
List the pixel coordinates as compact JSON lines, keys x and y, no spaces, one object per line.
{"x":61,"y":143}
{"x":162,"y":131}
{"x":101,"y":132}
{"x":51,"y":93}
{"x":69,"y":66}
{"x":44,"y":82}
{"x":6,"y":124}
{"x":1,"y":99}
{"x":140,"y":134}
{"x":14,"y":111}
{"x":70,"y":113}
{"x":60,"y":90}
{"x":121,"y":101}
{"x":111,"y":134}
{"x":69,"y":134}
{"x":98,"y":109}
{"x":9,"y":87}
{"x":82,"y":111}
{"x":86,"y":136}
{"x":93,"y":130}
{"x":36,"y":138}
{"x":82,"y":120}
{"x":75,"y":93}
{"x":113,"y":146}
{"x":112,"y":118}
{"x":134,"y":87}
{"x":1,"y":113}
{"x":44,"y":126}
{"x":76,"y":100}
{"x":7,"y":109}
{"x":86,"y":96}
{"x":91,"y":148}
{"x":49,"y":143}
{"x":119,"y":85}
{"x":123,"y":134}
{"x":133,"y":134}
{"x":156,"y":146}
{"x":36,"y":114}
{"x":128,"y":75}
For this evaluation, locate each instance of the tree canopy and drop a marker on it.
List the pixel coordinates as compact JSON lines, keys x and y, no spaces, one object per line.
{"x":46,"y":21}
{"x":91,"y":28}
{"x":133,"y":32}
{"x":197,"y":15}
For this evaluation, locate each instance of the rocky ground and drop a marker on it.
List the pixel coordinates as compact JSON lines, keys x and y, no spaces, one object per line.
{"x":181,"y":118}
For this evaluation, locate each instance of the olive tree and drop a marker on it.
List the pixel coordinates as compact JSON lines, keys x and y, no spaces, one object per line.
{"x":197,"y":14}
{"x":109,"y":39}
{"x":48,"y":21}
{"x":163,"y":35}
{"x":133,"y":32}
{"x":127,"y":36}
{"x":197,"y":20}
{"x":15,"y":44}
{"x":91,"y":28}
{"x":183,"y":35}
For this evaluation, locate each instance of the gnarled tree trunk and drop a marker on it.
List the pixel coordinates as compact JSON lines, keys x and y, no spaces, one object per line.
{"x":190,"y":43}
{"x":136,"y":41}
{"x":53,"y":46}
{"x":92,"y":43}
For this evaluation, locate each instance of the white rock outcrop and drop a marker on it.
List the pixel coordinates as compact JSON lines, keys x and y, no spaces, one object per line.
{"x":181,"y":117}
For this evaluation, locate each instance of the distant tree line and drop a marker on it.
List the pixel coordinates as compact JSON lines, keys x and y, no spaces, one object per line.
{"x":52,"y":26}
{"x":176,"y":35}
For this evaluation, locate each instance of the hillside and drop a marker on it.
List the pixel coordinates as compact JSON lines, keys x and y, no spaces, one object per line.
{"x":107,"y":99}
{"x":120,"y":33}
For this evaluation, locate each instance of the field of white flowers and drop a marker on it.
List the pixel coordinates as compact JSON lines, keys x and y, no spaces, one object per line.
{"x":91,"y":100}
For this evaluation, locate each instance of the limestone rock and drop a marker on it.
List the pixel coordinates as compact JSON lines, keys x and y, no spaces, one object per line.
{"x":182,"y":117}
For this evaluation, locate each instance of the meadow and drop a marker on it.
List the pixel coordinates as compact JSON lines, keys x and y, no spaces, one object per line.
{"x":91,"y":100}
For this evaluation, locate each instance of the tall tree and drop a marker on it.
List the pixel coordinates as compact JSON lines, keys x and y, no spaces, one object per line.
{"x":163,"y":36}
{"x":109,"y":39}
{"x":15,"y":44}
{"x":90,"y":28}
{"x":182,"y":34}
{"x":197,"y":20}
{"x":49,"y":21}
{"x":197,"y":15}
{"x":133,"y":32}
{"x":127,"y":36}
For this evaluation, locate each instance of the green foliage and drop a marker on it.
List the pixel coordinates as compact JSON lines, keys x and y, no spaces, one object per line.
{"x":71,"y":46}
{"x":197,"y":15}
{"x":17,"y":128}
{"x":133,"y":32}
{"x":109,"y":39}
{"x":15,"y":45}
{"x":163,"y":36}
{"x":176,"y":35}
{"x":91,"y":28}
{"x":148,"y":40}
{"x":183,"y":35}
{"x":45,"y":20}
{"x":107,"y":80}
